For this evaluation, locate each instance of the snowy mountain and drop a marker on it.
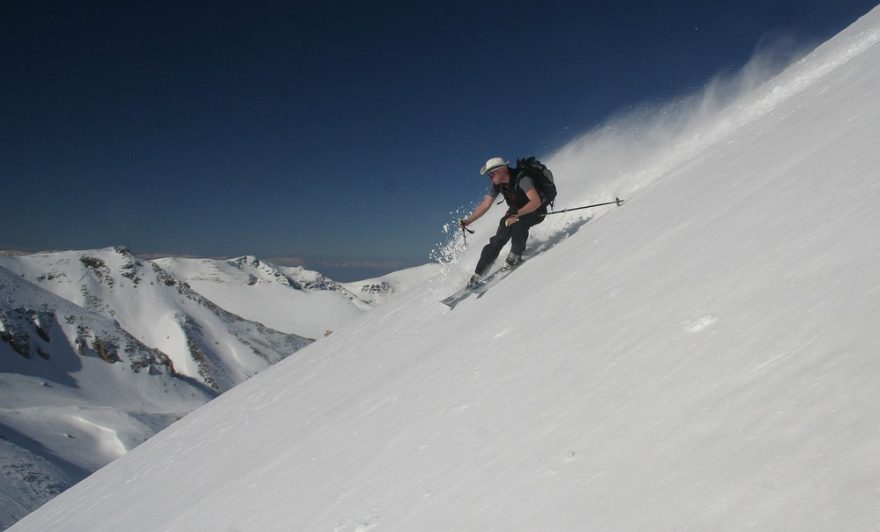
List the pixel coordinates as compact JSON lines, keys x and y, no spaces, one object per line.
{"x":704,"y":357}
{"x":202,"y":340}
{"x":379,"y":290}
{"x":293,"y":300}
{"x":100,"y":350}
{"x":78,"y":392}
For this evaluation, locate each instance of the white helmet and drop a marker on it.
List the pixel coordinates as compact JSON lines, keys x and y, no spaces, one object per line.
{"x":492,"y":164}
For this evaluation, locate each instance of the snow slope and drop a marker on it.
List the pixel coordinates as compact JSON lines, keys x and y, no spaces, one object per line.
{"x":703,"y":358}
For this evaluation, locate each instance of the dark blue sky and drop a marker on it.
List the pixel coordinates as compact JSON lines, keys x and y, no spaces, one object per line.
{"x":326,"y":130}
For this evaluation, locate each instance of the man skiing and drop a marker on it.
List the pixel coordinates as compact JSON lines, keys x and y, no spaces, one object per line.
{"x":525,"y":209}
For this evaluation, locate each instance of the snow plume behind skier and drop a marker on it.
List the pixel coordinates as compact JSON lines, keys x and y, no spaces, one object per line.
{"x":638,"y":145}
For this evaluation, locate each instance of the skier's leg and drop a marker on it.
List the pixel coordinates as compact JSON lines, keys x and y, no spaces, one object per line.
{"x":519,"y":237}
{"x":493,"y":248}
{"x":519,"y":232}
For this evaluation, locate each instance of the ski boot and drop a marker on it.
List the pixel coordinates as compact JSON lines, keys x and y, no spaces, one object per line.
{"x":475,"y":281}
{"x":513,"y":260}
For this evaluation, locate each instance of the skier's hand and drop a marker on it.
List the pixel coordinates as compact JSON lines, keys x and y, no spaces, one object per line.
{"x":511,"y":220}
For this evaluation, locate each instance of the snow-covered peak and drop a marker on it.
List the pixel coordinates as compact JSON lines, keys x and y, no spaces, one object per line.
{"x":259,"y":271}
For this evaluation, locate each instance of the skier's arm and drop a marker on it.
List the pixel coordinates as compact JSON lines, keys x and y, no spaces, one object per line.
{"x":532,"y":205}
{"x":480,"y":210}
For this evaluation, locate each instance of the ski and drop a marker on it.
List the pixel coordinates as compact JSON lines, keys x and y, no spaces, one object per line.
{"x":458,"y":296}
{"x":493,"y":279}
{"x":480,"y":288}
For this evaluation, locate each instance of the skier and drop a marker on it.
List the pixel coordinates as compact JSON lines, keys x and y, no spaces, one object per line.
{"x":525,"y":209}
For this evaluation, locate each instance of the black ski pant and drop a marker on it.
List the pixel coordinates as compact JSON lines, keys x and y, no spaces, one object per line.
{"x":517,"y":234}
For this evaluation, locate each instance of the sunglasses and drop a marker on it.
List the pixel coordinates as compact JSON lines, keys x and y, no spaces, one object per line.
{"x":493,"y":172}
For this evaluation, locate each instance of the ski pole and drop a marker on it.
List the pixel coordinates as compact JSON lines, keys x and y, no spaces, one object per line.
{"x":465,"y":230}
{"x":617,"y":201}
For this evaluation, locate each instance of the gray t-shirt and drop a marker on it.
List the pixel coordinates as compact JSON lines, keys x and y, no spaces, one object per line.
{"x":525,"y":183}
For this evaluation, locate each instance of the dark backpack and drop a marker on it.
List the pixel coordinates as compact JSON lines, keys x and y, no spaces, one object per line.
{"x":541,"y":175}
